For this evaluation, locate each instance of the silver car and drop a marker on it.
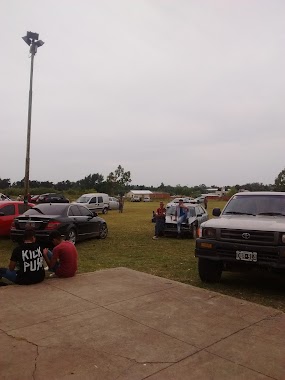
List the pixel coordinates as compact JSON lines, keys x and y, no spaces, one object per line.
{"x":113,"y":203}
{"x":196,"y":215}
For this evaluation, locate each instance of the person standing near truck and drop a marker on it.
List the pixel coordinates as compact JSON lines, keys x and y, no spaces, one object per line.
{"x":159,"y":220}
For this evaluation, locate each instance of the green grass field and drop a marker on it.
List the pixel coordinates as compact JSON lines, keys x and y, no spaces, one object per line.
{"x":129,"y":244}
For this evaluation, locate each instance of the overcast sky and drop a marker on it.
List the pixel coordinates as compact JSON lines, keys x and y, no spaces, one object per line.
{"x":176,"y":91}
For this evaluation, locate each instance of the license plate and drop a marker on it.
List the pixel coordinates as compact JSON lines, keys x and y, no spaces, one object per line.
{"x":246,"y":256}
{"x":30,"y":225}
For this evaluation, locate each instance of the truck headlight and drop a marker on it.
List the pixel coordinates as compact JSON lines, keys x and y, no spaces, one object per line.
{"x":209,"y":233}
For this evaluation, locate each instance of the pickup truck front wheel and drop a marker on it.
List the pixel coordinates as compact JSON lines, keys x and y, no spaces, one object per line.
{"x":210,"y":270}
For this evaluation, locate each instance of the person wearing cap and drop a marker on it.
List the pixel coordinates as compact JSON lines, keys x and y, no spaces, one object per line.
{"x":63,"y":258}
{"x":159,"y":220}
{"x":181,"y":213}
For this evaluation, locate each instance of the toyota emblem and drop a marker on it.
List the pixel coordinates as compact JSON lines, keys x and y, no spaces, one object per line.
{"x":245,"y":235}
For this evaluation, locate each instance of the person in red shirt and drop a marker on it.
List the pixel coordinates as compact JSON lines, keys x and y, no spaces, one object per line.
{"x":63,"y":258}
{"x":159,"y":220}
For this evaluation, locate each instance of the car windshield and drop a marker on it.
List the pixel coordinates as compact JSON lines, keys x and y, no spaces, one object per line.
{"x":47,"y":209}
{"x":83,"y":199}
{"x":170,"y":210}
{"x":185,"y":200}
{"x":256,"y":205}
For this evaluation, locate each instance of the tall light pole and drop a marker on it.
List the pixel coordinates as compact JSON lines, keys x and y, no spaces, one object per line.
{"x":32,"y":39}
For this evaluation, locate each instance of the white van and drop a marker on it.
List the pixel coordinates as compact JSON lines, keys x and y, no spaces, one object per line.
{"x":98,"y":202}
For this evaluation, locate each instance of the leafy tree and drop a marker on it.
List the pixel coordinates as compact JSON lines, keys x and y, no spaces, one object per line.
{"x":19,"y":184}
{"x":91,"y":181}
{"x":5,"y":183}
{"x":232,"y":191}
{"x":64,"y":185}
{"x":119,"y":180}
{"x":280,"y":181}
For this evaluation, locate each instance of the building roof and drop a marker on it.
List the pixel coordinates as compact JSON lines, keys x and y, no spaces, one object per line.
{"x":143,"y":192}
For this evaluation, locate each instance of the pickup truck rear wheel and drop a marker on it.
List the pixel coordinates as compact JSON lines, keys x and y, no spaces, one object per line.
{"x":210,"y":270}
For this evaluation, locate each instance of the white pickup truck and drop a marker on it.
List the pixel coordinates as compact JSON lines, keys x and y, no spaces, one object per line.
{"x":248,"y":233}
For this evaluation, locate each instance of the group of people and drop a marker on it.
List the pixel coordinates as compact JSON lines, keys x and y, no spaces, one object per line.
{"x":26,"y":265}
{"x":27,"y":260}
{"x":181,"y":212}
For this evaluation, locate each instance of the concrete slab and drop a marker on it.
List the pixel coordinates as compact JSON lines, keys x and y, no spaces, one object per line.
{"x":122,"y":324}
{"x":112,"y":285}
{"x":25,"y":305}
{"x":193,"y":315}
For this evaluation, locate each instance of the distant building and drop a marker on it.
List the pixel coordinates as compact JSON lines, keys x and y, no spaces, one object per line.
{"x":218,"y":192}
{"x":160,"y":195}
{"x":138,"y":193}
{"x":143,"y":193}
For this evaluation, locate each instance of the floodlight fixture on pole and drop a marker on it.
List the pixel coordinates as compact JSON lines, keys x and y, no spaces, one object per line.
{"x":31,"y":39}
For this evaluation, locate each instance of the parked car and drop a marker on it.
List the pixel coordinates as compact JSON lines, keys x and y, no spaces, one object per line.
{"x":146,"y":198}
{"x":4,"y":197}
{"x":34,"y":198}
{"x":185,"y":200}
{"x":75,"y":222}
{"x":97,"y":202}
{"x":113,"y":203}
{"x":135,"y":198}
{"x":248,"y":234}
{"x":200,"y":199}
{"x":8,"y":211}
{"x":52,"y":198}
{"x":196,"y":215}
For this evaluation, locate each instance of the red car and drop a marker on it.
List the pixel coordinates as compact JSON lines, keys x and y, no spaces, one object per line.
{"x":8,"y":211}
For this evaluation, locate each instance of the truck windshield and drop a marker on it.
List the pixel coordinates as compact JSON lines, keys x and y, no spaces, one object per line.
{"x":256,"y":205}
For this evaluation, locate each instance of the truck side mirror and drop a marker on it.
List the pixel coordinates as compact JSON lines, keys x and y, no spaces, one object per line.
{"x":216,"y":212}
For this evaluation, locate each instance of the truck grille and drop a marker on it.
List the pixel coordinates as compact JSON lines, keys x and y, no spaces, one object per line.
{"x":248,"y":237}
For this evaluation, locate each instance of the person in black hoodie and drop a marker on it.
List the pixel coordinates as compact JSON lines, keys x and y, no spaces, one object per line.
{"x":26,"y":265}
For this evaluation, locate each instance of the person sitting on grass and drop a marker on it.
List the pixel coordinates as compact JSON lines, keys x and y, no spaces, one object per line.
{"x":63,"y":258}
{"x":26,"y":263}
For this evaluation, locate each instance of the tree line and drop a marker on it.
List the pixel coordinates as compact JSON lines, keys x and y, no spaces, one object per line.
{"x":119,"y":182}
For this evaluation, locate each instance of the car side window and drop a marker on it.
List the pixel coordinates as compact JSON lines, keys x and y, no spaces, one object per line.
{"x":199,"y":210}
{"x":23,"y":208}
{"x":93,"y":200}
{"x":74,"y":211}
{"x":8,"y":210}
{"x":100,"y":199}
{"x":84,"y":211}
